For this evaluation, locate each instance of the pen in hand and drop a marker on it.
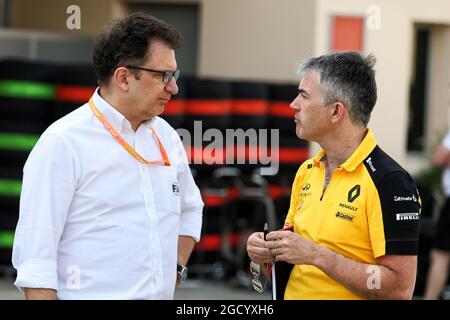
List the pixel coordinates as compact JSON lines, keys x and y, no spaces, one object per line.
{"x":266,"y":231}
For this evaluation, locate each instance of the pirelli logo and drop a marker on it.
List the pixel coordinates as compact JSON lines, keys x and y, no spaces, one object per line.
{"x":407,"y":216}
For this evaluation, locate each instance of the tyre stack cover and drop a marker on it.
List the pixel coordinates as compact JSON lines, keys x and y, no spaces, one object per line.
{"x":26,"y":96}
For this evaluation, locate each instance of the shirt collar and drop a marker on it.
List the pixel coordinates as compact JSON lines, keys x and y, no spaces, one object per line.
{"x":318,"y":157}
{"x":114,"y":117}
{"x":364,"y":149}
{"x":149,"y":123}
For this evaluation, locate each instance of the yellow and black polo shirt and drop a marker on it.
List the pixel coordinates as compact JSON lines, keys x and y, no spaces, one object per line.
{"x":369,"y":209}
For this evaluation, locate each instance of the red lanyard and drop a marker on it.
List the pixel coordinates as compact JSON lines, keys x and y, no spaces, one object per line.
{"x":165,"y":159}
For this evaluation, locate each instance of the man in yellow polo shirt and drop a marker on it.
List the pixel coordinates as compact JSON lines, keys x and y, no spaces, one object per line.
{"x":354,"y":210}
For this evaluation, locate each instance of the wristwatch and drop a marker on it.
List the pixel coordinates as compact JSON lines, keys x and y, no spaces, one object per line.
{"x":181,"y":273}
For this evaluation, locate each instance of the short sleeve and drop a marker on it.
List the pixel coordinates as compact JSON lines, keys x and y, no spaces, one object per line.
{"x":395,"y":230}
{"x":48,"y":186}
{"x":191,"y":200}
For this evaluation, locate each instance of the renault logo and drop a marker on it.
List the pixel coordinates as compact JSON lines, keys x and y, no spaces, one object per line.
{"x":354,"y":193}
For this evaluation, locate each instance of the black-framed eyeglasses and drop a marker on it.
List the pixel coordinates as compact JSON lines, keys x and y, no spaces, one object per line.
{"x":257,"y":284}
{"x":167,"y":75}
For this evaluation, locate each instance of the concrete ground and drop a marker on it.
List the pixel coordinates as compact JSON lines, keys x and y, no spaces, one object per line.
{"x":195,"y":289}
{"x":8,"y":291}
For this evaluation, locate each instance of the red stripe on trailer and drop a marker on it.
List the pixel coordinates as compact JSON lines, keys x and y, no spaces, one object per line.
{"x":80,"y":94}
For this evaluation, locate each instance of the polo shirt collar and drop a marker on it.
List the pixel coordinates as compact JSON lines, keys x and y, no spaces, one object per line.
{"x":318,"y":157}
{"x":364,"y":149}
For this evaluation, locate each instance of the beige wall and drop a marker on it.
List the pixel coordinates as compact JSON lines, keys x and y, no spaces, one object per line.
{"x":251,"y":39}
{"x":393,"y":46}
{"x":51,"y":16}
{"x":255,"y":39}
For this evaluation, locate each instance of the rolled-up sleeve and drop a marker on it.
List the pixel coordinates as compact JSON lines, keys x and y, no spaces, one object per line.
{"x":191,"y":200}
{"x":47,"y":190}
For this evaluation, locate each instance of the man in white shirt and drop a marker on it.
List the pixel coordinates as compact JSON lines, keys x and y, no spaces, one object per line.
{"x":108,"y":205}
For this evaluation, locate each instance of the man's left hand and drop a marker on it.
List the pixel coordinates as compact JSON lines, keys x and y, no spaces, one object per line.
{"x":291,"y":247}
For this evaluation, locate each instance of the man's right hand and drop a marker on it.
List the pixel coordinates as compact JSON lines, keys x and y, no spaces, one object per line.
{"x":257,"y":250}
{"x":40,"y":294}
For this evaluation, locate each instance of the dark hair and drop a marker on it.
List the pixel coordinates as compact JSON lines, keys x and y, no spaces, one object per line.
{"x":347,"y":77}
{"x":127,"y":40}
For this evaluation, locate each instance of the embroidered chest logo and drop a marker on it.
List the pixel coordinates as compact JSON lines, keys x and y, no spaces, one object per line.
{"x":347,"y":206}
{"x":354,"y":193}
{"x":345,"y":216}
{"x":305,"y":192}
{"x":175,"y":188}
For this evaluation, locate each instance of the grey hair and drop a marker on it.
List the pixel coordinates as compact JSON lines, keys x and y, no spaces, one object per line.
{"x":347,"y":77}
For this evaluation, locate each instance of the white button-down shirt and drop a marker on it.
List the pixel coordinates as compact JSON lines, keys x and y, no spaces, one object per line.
{"x":94,"y":222}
